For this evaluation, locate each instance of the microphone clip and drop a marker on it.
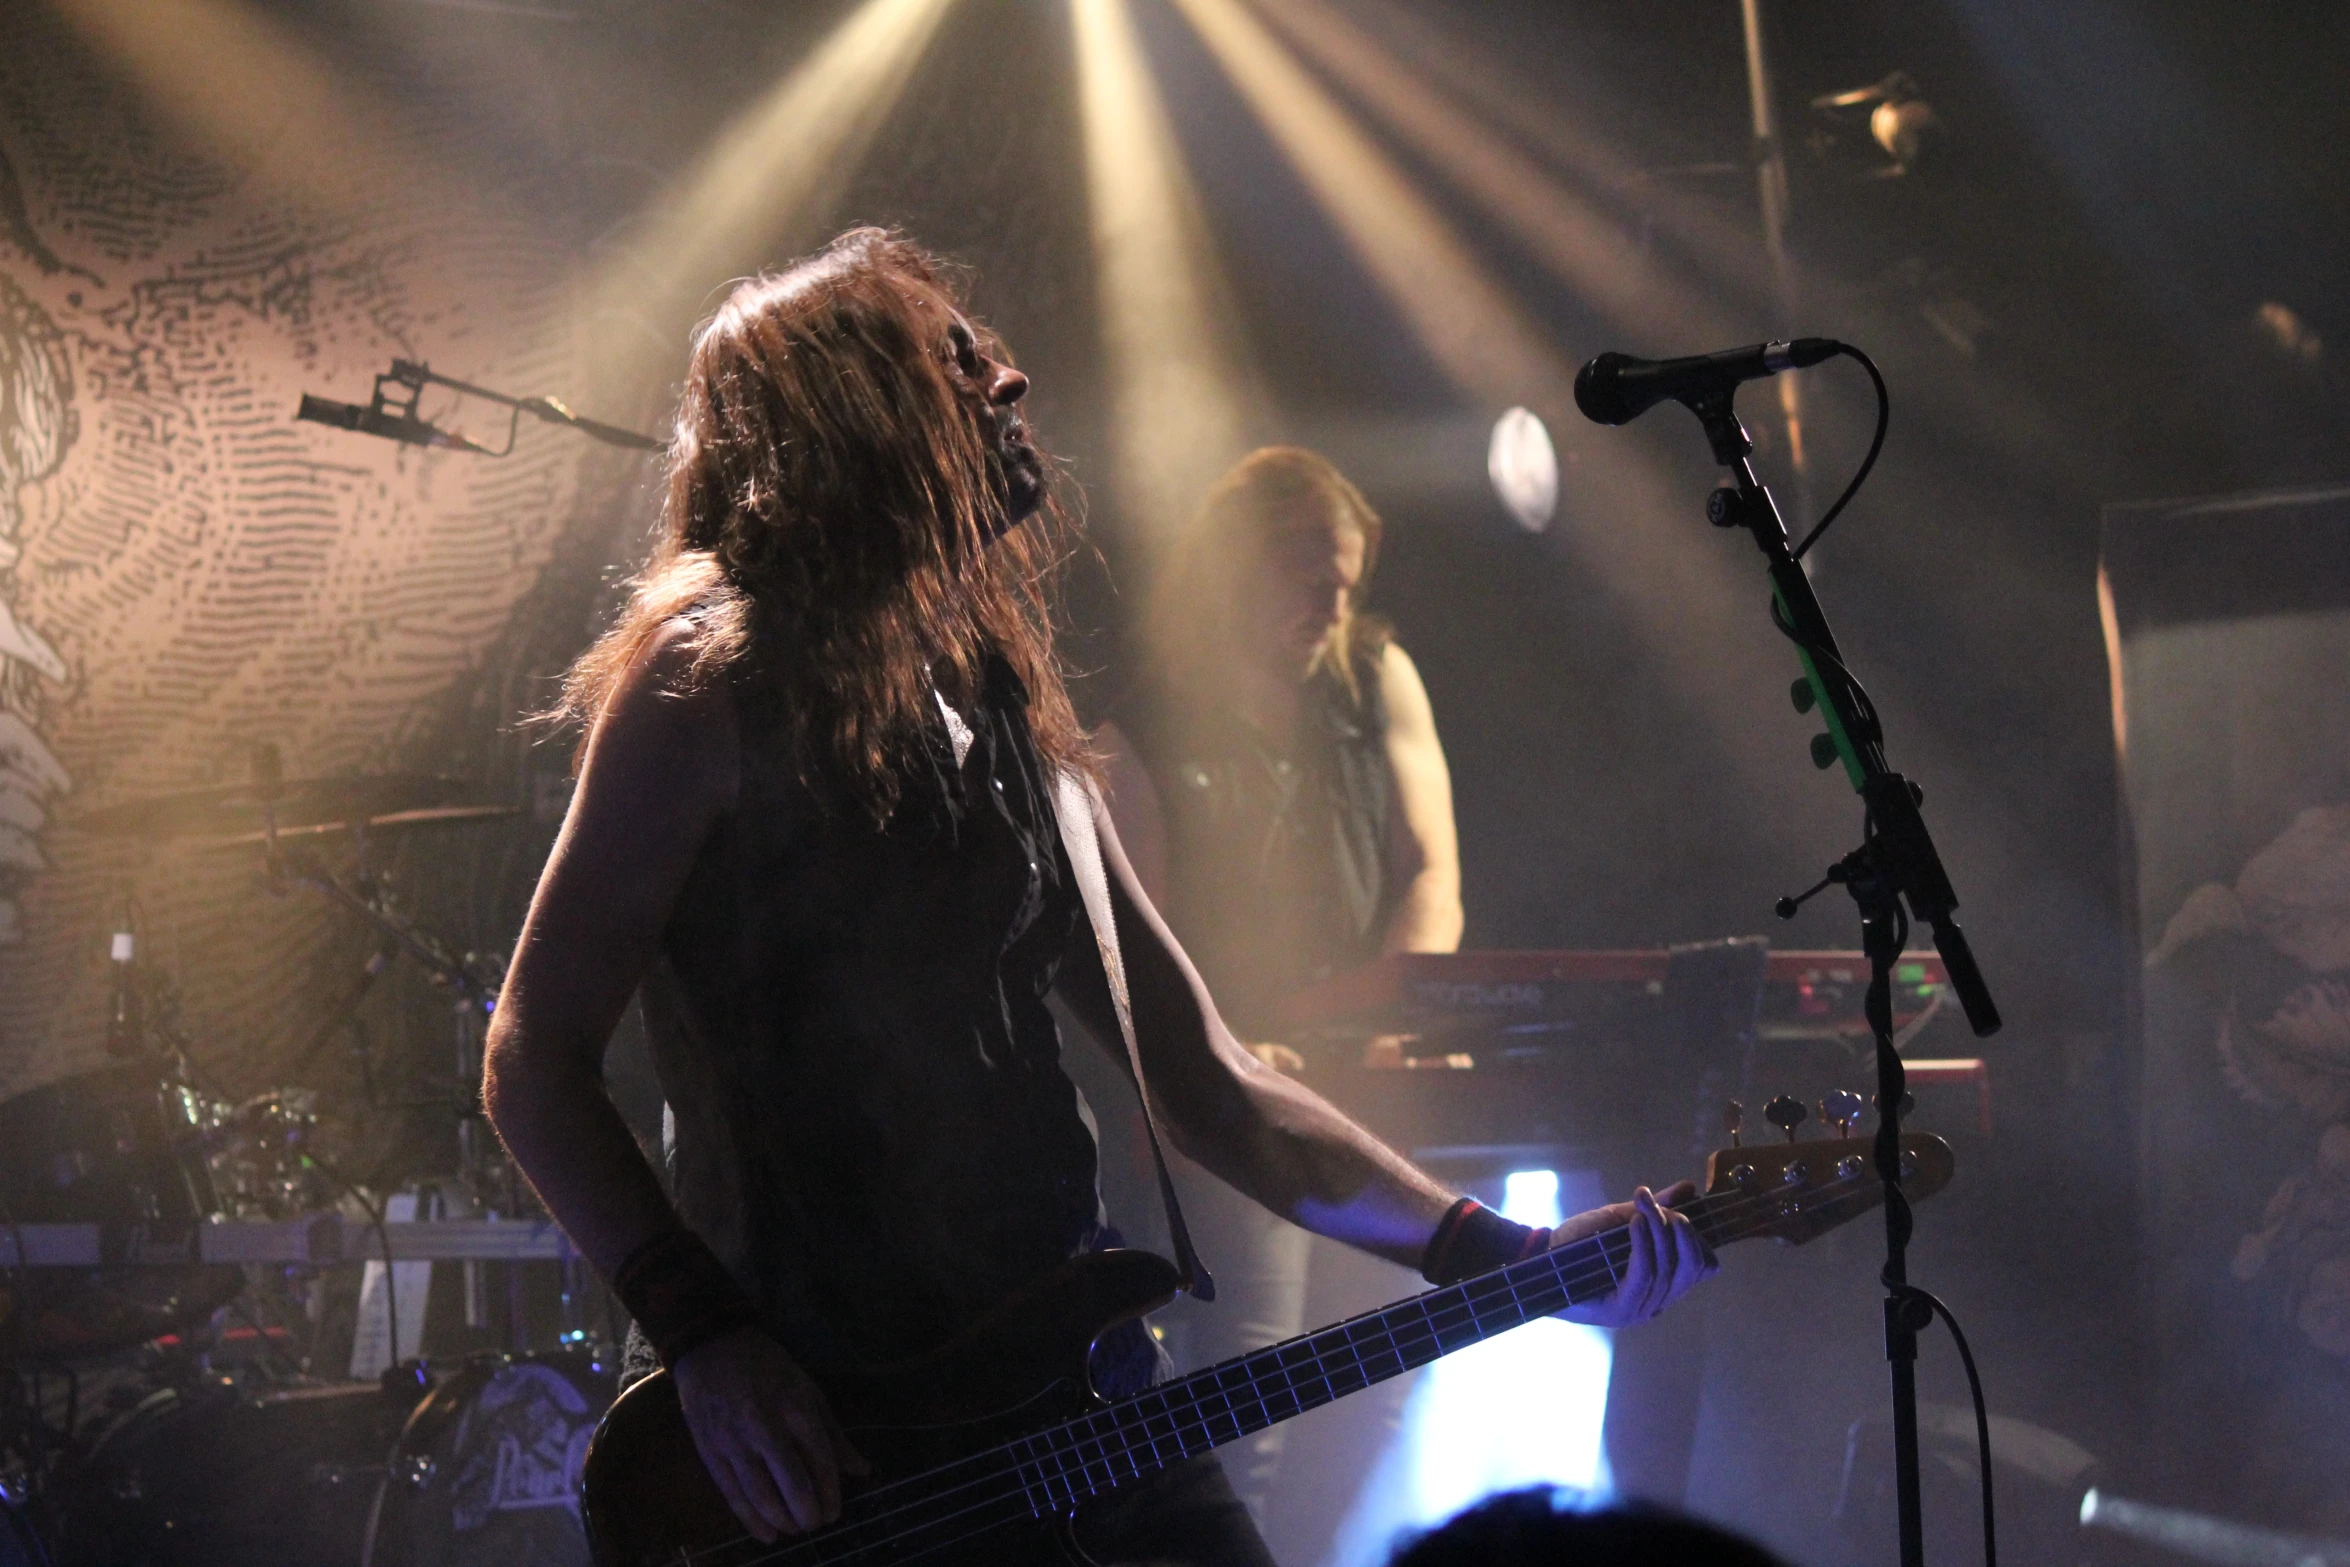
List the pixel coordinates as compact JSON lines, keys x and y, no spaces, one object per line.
{"x":391,"y":413}
{"x":1728,"y":438}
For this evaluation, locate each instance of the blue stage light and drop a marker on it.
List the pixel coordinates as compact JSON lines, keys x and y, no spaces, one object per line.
{"x":1525,"y":1408}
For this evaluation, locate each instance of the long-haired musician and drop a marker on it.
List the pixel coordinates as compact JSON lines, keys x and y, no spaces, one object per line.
{"x":815,"y":825}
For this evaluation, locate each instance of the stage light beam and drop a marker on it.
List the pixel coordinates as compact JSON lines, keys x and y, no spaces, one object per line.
{"x":1184,"y":398}
{"x":259,"y":99}
{"x":1473,"y":330}
{"x":1584,"y":247}
{"x":763,"y":189}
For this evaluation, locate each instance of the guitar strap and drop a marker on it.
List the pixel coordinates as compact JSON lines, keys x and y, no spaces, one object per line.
{"x":1074,"y":802}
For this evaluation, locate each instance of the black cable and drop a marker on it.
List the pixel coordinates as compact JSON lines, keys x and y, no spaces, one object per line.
{"x":1908,"y":1292}
{"x":383,"y":1244}
{"x":1876,"y":445}
{"x":17,"y":1282}
{"x":1974,"y":1382}
{"x":264,"y":1349}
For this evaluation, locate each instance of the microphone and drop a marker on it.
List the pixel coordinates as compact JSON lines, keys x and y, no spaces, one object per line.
{"x":1617,"y":389}
{"x":125,"y":1016}
{"x":405,"y":428}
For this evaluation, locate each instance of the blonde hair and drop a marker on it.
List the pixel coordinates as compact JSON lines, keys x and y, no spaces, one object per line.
{"x":1272,"y":493}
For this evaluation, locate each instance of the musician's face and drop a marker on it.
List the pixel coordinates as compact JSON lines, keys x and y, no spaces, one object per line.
{"x":1013,"y":462}
{"x":1302,"y":591}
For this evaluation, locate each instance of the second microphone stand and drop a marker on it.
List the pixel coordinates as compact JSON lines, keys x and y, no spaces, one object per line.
{"x":1896,"y":864}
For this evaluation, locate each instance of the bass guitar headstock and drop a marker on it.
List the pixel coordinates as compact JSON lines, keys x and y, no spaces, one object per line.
{"x":1795,"y":1191}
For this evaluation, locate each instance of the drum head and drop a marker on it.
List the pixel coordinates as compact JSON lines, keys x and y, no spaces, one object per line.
{"x":201,"y":1475}
{"x":488,"y":1472}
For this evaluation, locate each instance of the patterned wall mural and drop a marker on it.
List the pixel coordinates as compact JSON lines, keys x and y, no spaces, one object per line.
{"x":187,"y":573}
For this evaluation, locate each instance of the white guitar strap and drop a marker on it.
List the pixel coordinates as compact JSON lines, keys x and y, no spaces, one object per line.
{"x":1073,"y":802}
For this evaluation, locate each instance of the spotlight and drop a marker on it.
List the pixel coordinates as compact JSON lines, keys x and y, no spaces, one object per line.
{"x":2285,"y":330}
{"x":765,"y":187}
{"x":1472,"y":328}
{"x":1532,"y":1196}
{"x":1900,"y":125}
{"x":1900,"y":122}
{"x":1524,"y":468}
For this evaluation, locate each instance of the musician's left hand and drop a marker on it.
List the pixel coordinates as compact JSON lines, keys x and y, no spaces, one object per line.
{"x":1668,"y":1258}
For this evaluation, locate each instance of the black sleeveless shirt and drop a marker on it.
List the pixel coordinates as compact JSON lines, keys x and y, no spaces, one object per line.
{"x":1276,"y":844}
{"x":871,"y":1123}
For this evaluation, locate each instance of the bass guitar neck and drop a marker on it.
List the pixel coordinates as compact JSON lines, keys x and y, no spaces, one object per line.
{"x":999,"y":1430}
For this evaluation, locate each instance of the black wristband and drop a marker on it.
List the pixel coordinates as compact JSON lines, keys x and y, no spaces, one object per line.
{"x":680,"y":1294}
{"x":1471,"y":1239}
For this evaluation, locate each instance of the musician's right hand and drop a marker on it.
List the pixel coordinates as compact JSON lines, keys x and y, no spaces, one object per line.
{"x":766,"y":1433}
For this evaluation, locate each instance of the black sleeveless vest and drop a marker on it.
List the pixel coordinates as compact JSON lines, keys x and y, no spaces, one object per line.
{"x":871,"y":1123}
{"x":1276,"y":845}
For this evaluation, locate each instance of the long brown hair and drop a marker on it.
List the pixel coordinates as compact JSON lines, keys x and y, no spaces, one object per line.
{"x":827,"y":529}
{"x":1272,"y":492}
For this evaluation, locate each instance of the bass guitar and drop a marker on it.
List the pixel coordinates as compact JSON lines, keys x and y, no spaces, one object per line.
{"x":999,"y":1430}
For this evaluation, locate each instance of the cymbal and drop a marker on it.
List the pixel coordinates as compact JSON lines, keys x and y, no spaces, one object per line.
{"x":299,"y":802}
{"x":377,"y":826}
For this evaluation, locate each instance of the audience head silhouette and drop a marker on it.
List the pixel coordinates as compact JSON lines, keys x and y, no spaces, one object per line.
{"x":1541,"y":1527}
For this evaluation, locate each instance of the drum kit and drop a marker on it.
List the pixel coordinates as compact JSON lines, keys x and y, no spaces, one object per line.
{"x":222,"y":1350}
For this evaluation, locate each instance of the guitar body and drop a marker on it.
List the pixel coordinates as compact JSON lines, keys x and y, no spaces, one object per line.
{"x":646,"y":1499}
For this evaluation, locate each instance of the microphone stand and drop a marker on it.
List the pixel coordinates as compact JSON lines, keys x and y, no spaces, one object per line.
{"x":391,"y":412}
{"x":1895,"y":864}
{"x":416,"y":377}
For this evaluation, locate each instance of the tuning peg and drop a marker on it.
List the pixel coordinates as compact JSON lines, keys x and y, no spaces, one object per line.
{"x":1786,"y":1114}
{"x":1800,"y":694}
{"x":1823,"y":751}
{"x":1842,"y":1109}
{"x":1733,"y":1117}
{"x":1909,"y":1102}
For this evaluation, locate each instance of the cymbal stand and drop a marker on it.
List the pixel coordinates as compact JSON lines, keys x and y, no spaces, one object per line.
{"x":484,"y":1182}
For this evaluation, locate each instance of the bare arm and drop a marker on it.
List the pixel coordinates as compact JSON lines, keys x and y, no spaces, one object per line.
{"x":1267,"y":1135}
{"x":1424,"y":854}
{"x":659,"y":770}
{"x":662,"y":767}
{"x":1288,"y":1148}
